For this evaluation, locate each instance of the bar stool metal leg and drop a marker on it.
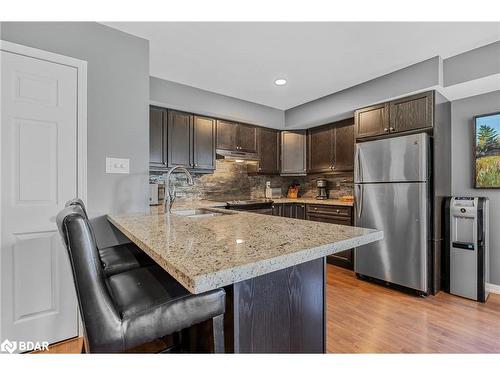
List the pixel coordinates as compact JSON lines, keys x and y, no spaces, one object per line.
{"x":218,"y":333}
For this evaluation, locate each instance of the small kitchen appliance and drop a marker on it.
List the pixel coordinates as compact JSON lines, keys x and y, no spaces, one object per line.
{"x":153,"y":194}
{"x":466,"y":261}
{"x":322,"y":185}
{"x":272,"y":192}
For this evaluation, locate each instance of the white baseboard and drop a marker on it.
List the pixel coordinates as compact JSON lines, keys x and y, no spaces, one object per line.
{"x":492,"y":288}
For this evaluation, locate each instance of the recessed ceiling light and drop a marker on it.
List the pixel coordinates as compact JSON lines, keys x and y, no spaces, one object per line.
{"x":280,"y":82}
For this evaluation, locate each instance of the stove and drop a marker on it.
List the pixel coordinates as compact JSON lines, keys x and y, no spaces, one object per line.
{"x":250,"y":205}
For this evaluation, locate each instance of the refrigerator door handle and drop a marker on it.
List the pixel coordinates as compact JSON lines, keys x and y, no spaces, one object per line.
{"x":358,"y":171}
{"x":359,"y":200}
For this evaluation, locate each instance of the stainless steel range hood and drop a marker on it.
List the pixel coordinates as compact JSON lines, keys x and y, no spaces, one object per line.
{"x":237,"y":155}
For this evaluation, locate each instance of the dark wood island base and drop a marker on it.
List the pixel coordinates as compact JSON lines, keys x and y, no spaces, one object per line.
{"x":279,"y":312}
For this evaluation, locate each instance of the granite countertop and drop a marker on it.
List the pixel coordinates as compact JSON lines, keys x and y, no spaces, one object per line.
{"x":211,"y":252}
{"x":330,"y":202}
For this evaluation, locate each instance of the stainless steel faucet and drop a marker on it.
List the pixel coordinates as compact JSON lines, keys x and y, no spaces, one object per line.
{"x":170,"y":193}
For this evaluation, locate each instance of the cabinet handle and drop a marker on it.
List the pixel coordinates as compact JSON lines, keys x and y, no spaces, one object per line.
{"x":391,"y":129}
{"x":315,"y":208}
{"x":386,"y":130}
{"x":337,"y":211}
{"x":260,"y":169}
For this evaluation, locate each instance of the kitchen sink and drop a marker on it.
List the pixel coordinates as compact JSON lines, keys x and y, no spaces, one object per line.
{"x":198,"y":213}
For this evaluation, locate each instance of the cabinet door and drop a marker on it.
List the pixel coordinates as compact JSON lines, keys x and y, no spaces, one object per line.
{"x":179,"y":139}
{"x":300,"y":211}
{"x":372,"y":121}
{"x":268,"y":149}
{"x":344,"y":146}
{"x":157,"y":138}
{"x":203,"y":143}
{"x":287,"y":210}
{"x":277,"y":209}
{"x":294,"y":210}
{"x":343,"y":259}
{"x":413,"y":112}
{"x":247,"y":138}
{"x":320,"y":149}
{"x":293,"y":153}
{"x":226,"y":135}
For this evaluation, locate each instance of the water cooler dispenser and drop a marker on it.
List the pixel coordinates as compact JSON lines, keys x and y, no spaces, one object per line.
{"x":466,"y":250}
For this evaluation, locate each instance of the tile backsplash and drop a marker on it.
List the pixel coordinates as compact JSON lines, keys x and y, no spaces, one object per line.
{"x":231,"y":181}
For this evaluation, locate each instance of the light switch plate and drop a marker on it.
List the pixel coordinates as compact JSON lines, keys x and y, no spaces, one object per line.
{"x":117,"y":165}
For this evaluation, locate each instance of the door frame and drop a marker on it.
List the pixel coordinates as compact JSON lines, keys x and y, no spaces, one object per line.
{"x":81,"y":120}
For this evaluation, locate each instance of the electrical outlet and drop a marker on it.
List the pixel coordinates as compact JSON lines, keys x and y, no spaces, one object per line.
{"x":117,"y":165}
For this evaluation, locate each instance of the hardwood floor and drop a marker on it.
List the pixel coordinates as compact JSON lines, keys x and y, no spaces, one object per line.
{"x":71,"y":346}
{"x":363,"y":317}
{"x":367,"y":318}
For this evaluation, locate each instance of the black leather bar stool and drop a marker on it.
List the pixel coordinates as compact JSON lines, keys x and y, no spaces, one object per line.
{"x":134,"y":307}
{"x":118,"y":258}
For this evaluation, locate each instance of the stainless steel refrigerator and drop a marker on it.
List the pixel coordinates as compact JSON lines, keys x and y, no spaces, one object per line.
{"x":391,"y":188}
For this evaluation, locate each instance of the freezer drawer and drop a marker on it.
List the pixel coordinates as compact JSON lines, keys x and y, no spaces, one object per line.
{"x":392,"y":160}
{"x":400,"y":210}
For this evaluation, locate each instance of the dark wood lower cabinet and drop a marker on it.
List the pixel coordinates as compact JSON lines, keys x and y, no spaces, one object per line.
{"x":294,"y":210}
{"x":277,"y":209}
{"x":341,"y":215}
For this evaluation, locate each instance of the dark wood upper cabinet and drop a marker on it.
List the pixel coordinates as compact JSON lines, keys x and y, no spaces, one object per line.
{"x":268,"y":147}
{"x":320,"y":145}
{"x":331,"y":148}
{"x":181,"y":139}
{"x":372,"y":121}
{"x":179,"y":136}
{"x":413,"y":112}
{"x":293,"y":153}
{"x":157,"y":138}
{"x":344,"y":146}
{"x":246,"y":139}
{"x":402,"y":115}
{"x":226,"y":135}
{"x":203,"y":142}
{"x":233,"y":136}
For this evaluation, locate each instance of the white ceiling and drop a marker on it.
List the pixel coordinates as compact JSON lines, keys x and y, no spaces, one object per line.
{"x":242,"y":60}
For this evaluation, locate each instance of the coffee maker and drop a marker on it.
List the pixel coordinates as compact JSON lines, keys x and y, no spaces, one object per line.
{"x":321,"y":185}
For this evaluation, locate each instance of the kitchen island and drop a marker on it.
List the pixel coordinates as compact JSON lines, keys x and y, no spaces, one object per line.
{"x":273,"y":270}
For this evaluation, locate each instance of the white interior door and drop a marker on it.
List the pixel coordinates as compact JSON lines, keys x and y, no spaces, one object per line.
{"x":38,"y":174}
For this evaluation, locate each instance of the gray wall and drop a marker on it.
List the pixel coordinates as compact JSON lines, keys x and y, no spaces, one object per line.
{"x":462,"y":113}
{"x":477,"y":63}
{"x":117,"y":109}
{"x":341,"y":104}
{"x":186,"y":98}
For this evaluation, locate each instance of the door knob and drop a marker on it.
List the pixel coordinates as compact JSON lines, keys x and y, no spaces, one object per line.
{"x":391,"y":129}
{"x":386,"y":130}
